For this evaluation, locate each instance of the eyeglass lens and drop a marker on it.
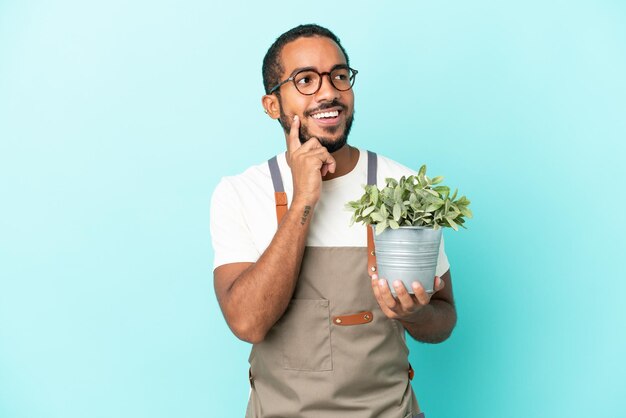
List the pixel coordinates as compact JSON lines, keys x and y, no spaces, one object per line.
{"x":308,"y":81}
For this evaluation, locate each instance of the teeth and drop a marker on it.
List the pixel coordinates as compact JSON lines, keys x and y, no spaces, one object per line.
{"x":332,"y":114}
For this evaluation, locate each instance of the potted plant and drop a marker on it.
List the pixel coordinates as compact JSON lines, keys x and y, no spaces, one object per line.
{"x":408,"y":216}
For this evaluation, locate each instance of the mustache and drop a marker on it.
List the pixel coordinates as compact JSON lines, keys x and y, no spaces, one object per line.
{"x":324,"y":106}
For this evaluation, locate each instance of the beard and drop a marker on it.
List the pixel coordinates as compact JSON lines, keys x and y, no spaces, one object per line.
{"x":330,"y":144}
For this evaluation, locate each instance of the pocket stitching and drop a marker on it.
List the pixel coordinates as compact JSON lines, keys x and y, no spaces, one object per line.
{"x":325,"y":362}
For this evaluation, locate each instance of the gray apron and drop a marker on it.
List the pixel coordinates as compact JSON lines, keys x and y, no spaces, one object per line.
{"x":333,"y":353}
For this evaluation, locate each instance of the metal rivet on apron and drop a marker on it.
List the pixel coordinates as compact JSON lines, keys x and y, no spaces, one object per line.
{"x":338,"y":321}
{"x":373,"y":252}
{"x":366,"y":317}
{"x":373,"y":268}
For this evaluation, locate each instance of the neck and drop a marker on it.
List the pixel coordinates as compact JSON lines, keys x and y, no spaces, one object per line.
{"x":346,"y":157}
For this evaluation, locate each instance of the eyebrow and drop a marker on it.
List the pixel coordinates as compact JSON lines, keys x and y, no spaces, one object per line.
{"x":297,"y":70}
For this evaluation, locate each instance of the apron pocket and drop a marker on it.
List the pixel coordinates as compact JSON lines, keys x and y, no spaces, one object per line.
{"x":305,"y":335}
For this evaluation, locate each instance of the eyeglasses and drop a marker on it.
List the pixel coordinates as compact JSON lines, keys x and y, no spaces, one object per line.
{"x":308,"y":82}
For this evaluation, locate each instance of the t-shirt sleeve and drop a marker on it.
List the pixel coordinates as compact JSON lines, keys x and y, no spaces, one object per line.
{"x":442,"y":262}
{"x":230,"y":234}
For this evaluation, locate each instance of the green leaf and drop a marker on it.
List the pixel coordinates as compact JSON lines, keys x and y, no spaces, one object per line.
{"x":393,"y":224}
{"x":391,"y":182}
{"x":397,"y":194}
{"x":437,"y":180}
{"x":466,"y":212}
{"x":433,"y":207}
{"x":368,"y":210}
{"x":452,"y":223}
{"x":377,"y":217}
{"x":381,"y":227}
{"x":397,"y":212}
{"x":373,"y":192}
{"x":444,"y":190}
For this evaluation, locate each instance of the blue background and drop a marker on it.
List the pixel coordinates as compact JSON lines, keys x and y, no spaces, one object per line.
{"x":118,"y":118}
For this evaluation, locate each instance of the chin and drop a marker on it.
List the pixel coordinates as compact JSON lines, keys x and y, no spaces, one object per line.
{"x":333,"y":145}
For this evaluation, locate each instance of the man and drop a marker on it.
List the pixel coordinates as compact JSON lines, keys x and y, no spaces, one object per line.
{"x":290,"y":274}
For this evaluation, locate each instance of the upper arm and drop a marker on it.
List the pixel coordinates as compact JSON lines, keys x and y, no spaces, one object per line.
{"x":231,"y":236}
{"x":233,"y":244}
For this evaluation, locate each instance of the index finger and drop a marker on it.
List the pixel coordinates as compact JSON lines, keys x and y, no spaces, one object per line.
{"x":293,"y":139}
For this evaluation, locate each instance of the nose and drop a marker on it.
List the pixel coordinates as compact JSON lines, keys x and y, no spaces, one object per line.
{"x":327,"y":91}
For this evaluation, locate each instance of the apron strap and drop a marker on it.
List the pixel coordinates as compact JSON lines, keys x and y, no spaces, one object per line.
{"x":279,"y":191}
{"x":280,"y":198}
{"x":372,"y":171}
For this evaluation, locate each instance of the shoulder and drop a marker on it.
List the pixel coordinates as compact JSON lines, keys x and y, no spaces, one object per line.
{"x":253,"y":179}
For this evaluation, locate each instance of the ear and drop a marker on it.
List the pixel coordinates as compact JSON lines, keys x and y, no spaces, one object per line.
{"x":271,"y":104}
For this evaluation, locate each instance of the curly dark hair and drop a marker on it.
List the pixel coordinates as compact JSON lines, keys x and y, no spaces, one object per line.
{"x":272,"y":66}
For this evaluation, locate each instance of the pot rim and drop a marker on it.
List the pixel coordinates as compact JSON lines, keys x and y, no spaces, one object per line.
{"x":408,"y":227}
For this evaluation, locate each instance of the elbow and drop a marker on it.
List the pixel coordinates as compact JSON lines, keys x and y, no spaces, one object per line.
{"x":438,"y":333}
{"x":447,"y":332}
{"x":248,"y":331}
{"x":434,"y":338}
{"x":441,"y":337}
{"x":251,"y":337}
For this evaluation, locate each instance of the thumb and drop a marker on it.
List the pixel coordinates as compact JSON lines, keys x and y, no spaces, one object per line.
{"x":439,"y":283}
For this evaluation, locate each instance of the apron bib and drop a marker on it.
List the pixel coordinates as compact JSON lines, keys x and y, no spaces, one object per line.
{"x":333,"y":353}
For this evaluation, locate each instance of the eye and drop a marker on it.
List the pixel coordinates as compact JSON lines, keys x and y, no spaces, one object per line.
{"x":341,"y":74}
{"x":305,"y":78}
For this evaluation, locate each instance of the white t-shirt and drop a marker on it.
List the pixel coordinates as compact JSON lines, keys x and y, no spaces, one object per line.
{"x":243,"y":211}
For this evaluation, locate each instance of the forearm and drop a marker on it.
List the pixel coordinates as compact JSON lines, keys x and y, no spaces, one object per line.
{"x":261,"y":294}
{"x":434,"y":322}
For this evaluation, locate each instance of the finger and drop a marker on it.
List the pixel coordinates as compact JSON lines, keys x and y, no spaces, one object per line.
{"x":327,"y":159}
{"x":331,"y":163}
{"x":321,"y":154}
{"x":420,"y":294}
{"x":311,"y":144}
{"x":293,"y":139}
{"x":385,"y":294}
{"x":405,"y":299}
{"x":383,"y":307}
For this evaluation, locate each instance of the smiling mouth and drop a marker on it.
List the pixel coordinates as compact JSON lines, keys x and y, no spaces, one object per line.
{"x":328,"y":118}
{"x":333,"y":114}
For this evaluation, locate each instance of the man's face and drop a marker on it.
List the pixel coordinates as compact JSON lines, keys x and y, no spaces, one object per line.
{"x":321,"y":54}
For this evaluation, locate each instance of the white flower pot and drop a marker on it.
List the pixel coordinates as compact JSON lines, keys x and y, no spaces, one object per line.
{"x":408,"y":254}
